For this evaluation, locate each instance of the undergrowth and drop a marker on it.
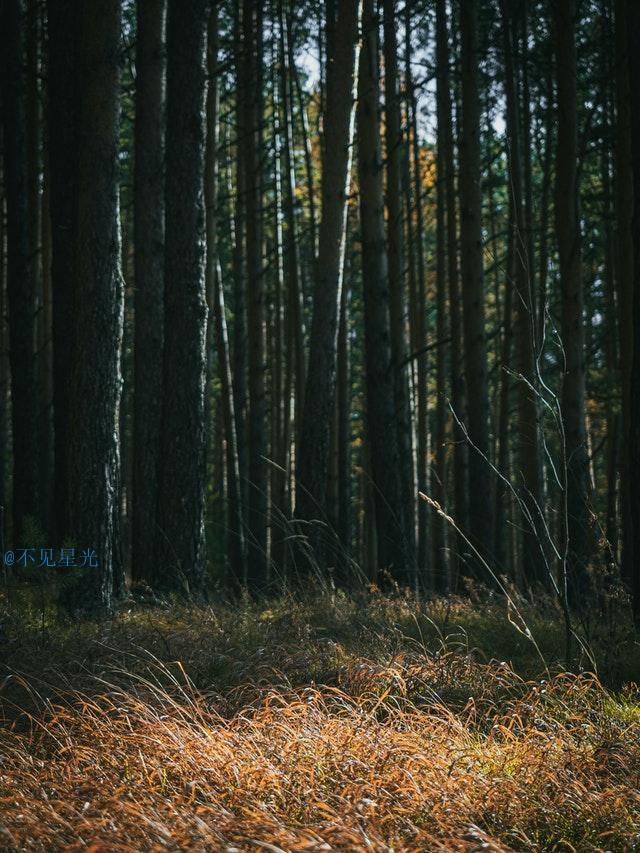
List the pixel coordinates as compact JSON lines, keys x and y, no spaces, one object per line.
{"x":317,"y":723}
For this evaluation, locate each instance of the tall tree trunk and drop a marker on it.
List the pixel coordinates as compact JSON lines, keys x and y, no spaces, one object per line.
{"x":217,"y":314}
{"x":568,"y":236}
{"x":633,"y":436}
{"x":503,"y":460}
{"x":320,"y":383}
{"x":149,"y":280}
{"x":480,"y":503}
{"x":344,"y":439}
{"x":95,"y":379}
{"x":306,"y":144}
{"x":391,"y":524}
{"x":396,"y":255}
{"x":62,"y":86}
{"x":34,"y":182}
{"x":529,"y":448}
{"x":4,"y":374}
{"x":446,"y":173}
{"x":239,"y":354}
{"x":625,"y":279}
{"x":181,"y":482}
{"x":543,"y":243}
{"x":439,"y":532}
{"x":295,"y":325}
{"x":611,"y":343}
{"x":45,"y":366}
{"x":280,"y":420}
{"x":418,"y":314}
{"x":20,"y":275}
{"x":257,"y":426}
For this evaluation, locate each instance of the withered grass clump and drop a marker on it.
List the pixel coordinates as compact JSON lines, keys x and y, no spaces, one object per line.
{"x":403,"y":748}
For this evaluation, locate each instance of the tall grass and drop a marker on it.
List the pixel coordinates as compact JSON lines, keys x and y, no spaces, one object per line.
{"x":329,"y":723}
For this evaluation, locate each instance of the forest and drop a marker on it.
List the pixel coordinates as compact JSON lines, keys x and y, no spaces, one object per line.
{"x":318,"y":425}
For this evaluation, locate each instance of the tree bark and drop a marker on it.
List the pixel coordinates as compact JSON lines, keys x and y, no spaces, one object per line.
{"x":480,"y":503}
{"x":633,"y":436}
{"x":320,"y":384}
{"x":295,"y":325}
{"x":567,"y":198}
{"x":217,"y":315}
{"x":257,"y":514}
{"x":181,"y":480}
{"x":62,"y":117}
{"x":625,"y":278}
{"x":418,"y":317}
{"x":446,"y":173}
{"x":529,"y":480}
{"x":439,"y":531}
{"x":391,"y":524}
{"x":396,"y":255}
{"x":95,"y":380}
{"x":20,"y":275}
{"x":149,"y":281}
{"x":239,"y":351}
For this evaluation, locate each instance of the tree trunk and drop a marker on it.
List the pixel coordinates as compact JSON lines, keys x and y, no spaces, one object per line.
{"x":344,"y":440}
{"x":295,"y":325}
{"x":181,"y":481}
{"x":503,"y":497}
{"x":149,"y":280}
{"x":20,"y":276}
{"x":239,"y":354}
{"x":95,"y":380}
{"x":529,"y":479}
{"x":217,"y":315}
{"x":480,"y":503}
{"x":572,"y":327}
{"x":257,"y":425}
{"x":439,"y":531}
{"x":446,"y":173}
{"x":396,"y":254}
{"x":633,"y":437}
{"x":625,"y":280}
{"x":320,"y":384}
{"x":418,"y":316}
{"x":391,"y":524}
{"x":63,"y":97}
{"x":5,"y":413}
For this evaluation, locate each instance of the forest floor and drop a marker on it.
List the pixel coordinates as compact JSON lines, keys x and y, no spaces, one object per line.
{"x":318,"y":723}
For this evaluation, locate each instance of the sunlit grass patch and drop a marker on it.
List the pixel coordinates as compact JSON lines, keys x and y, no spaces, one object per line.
{"x":309,"y":725}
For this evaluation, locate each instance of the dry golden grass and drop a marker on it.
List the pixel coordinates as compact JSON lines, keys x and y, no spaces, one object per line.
{"x":401,"y":748}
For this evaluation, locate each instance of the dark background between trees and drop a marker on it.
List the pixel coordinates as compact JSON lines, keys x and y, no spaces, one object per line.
{"x":269,"y":270}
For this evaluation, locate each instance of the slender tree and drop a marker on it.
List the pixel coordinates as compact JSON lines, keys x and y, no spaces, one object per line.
{"x":320,"y":383}
{"x":149,"y":279}
{"x":94,"y":378}
{"x":446,"y":174}
{"x":418,"y":308}
{"x":567,"y":199}
{"x":528,"y":431}
{"x":624,"y":277}
{"x":633,"y":436}
{"x":257,"y":513}
{"x":181,"y":479}
{"x":63,"y":98}
{"x":396,"y":255}
{"x":217,"y":314}
{"x":239,"y":353}
{"x":394,"y":555}
{"x":20,"y":273}
{"x":475,"y":349}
